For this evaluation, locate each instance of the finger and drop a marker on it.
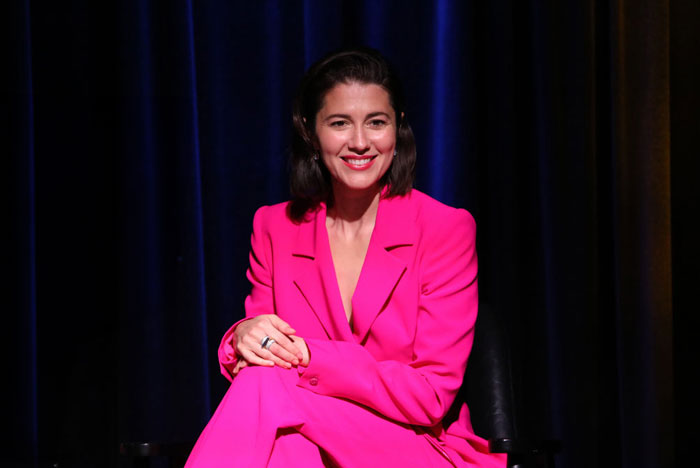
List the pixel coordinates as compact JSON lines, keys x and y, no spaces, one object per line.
{"x":283,"y":354}
{"x":285,"y":348}
{"x":275,"y":352}
{"x":277,"y":360}
{"x":254,"y":359}
{"x":303,"y":348}
{"x":252,"y":338}
{"x":242,"y":363}
{"x":281,"y":325}
{"x":254,"y":347}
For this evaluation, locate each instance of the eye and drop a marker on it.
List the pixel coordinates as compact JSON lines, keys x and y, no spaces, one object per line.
{"x":338,"y":123}
{"x":377,"y":123}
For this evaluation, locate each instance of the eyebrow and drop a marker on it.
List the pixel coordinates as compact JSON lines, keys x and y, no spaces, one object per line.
{"x":348,"y":117}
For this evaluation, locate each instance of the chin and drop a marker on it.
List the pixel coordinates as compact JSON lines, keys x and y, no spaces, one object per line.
{"x":358,"y":186}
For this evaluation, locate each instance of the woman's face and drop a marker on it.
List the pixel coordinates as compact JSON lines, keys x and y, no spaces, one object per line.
{"x":356,"y":131}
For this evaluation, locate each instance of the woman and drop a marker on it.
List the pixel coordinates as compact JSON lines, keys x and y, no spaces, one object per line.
{"x":363,"y":298}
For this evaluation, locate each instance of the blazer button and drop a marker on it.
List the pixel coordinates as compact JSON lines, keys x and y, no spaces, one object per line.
{"x":313,"y":381}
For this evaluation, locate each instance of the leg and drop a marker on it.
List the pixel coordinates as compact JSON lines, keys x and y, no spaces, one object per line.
{"x":293,"y":449}
{"x":355,"y":436}
{"x":261,"y":401}
{"x":242,"y":431}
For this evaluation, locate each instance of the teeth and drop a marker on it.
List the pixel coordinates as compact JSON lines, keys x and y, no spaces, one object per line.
{"x":358,"y":162}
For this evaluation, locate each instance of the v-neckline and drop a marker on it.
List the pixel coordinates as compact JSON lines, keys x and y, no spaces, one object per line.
{"x":330,"y":262}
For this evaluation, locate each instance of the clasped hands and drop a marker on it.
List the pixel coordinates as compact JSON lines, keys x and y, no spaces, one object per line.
{"x":288,"y":349}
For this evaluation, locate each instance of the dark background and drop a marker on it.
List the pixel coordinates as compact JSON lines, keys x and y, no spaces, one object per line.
{"x":142,"y":135}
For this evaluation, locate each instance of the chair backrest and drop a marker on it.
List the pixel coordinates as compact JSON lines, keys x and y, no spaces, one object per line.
{"x":488,"y":380}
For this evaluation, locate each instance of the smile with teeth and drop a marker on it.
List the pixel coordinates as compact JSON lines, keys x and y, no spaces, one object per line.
{"x":355,"y":161}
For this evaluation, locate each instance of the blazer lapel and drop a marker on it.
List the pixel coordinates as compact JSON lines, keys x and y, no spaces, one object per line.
{"x":382,"y":270}
{"x":314,"y":276}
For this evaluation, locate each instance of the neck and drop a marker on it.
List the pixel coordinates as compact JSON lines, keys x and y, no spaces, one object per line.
{"x":354,"y":209}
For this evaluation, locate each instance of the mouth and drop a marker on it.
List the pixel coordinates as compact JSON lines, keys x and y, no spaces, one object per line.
{"x":358,"y":162}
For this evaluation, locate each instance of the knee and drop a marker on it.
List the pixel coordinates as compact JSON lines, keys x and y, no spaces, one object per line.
{"x":266,"y":377}
{"x":269,"y":394}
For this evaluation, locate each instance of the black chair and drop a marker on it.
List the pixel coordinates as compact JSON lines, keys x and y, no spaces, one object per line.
{"x":487,"y":389}
{"x":142,"y":453}
{"x":489,"y":393}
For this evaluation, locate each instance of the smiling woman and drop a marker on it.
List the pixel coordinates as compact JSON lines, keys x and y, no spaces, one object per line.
{"x":364,"y":296}
{"x":344,"y":76}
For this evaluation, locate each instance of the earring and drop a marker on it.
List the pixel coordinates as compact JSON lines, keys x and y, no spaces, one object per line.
{"x":395,"y":152}
{"x":315,"y":156}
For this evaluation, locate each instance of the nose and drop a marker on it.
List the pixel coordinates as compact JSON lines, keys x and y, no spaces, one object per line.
{"x":359,"y":143}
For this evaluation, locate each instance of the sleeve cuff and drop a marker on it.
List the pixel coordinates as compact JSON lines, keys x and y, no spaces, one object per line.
{"x":309,"y":376}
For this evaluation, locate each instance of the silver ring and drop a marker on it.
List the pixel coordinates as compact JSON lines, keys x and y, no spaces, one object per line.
{"x":266,"y":342}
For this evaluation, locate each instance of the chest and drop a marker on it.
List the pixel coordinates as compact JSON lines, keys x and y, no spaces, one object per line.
{"x":366,"y":292}
{"x":348,"y":258}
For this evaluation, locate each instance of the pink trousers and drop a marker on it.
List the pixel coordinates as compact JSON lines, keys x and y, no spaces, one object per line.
{"x":265,"y":420}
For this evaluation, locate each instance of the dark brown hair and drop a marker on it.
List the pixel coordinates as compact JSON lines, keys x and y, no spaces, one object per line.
{"x":310,"y":182}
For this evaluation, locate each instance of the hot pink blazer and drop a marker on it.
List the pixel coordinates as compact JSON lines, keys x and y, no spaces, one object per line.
{"x":414,"y":308}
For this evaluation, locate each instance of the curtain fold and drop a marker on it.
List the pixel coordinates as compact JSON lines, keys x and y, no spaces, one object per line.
{"x":20,"y":332}
{"x":641,"y":154}
{"x":144,"y":134}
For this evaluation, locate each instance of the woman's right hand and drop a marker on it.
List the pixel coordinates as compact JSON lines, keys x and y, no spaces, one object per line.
{"x":249,"y":335}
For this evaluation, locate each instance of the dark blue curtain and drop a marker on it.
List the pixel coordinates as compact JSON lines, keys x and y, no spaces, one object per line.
{"x":143,"y":135}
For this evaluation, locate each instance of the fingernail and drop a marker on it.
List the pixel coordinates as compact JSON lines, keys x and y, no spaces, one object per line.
{"x":296,"y":362}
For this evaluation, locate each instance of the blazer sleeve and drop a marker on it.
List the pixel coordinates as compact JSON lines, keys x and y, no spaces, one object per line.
{"x":260,"y":299}
{"x":422,"y":391}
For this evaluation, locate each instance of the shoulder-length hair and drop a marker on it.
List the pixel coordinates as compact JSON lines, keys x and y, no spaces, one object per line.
{"x":310,"y":181}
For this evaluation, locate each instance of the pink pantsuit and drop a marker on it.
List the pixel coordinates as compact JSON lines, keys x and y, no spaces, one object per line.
{"x":376,"y":390}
